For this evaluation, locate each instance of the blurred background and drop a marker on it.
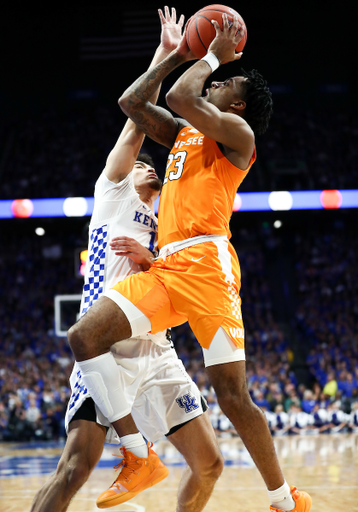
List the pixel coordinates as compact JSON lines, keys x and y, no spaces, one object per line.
{"x":63,"y":67}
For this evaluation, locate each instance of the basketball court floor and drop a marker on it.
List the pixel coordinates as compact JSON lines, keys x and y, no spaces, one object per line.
{"x":326,"y":466}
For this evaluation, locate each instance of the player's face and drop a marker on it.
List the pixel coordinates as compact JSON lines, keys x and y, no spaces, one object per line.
{"x":145,"y":178}
{"x":223,"y":94}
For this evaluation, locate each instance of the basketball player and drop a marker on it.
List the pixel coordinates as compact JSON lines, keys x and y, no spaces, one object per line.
{"x":162,"y":397}
{"x":197,"y":274}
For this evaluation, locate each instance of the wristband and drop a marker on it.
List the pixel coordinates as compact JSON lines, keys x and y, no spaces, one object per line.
{"x":212,"y":60}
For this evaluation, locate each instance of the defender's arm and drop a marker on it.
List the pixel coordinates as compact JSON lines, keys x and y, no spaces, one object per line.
{"x":121,"y":159}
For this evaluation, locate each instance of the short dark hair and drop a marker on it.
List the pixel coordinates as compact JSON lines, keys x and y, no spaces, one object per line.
{"x":258,"y":100}
{"x":145,"y":158}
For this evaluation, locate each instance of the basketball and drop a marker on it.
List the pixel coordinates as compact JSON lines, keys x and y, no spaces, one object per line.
{"x":201,"y":32}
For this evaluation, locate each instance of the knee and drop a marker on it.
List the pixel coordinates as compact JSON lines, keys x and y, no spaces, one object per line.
{"x":217,"y":466}
{"x":212,"y":468}
{"x":75,"y":338}
{"x":237,"y":399}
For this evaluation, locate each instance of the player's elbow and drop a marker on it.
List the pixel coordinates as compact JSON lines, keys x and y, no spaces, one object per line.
{"x":174,"y":100}
{"x":124,"y":103}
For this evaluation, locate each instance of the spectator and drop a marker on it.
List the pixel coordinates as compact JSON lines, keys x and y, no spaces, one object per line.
{"x":338,"y":420}
{"x":331,"y":387}
{"x":353,"y":420}
{"x":308,"y":401}
{"x":300,"y":421}
{"x":281,"y":425}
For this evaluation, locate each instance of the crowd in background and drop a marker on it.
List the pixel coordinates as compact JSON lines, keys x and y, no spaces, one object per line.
{"x":35,"y":364}
{"x":61,"y":152}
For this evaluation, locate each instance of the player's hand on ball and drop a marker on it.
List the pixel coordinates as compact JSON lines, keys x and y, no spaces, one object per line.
{"x":171,"y":30}
{"x":226,"y":40}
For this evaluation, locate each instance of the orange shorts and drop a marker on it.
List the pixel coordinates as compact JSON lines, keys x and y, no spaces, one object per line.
{"x":199,"y":284}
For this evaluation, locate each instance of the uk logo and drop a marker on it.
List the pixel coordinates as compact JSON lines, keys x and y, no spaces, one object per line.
{"x":187,"y":402}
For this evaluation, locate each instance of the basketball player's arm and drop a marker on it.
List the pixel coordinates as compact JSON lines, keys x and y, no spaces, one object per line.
{"x":122,"y":158}
{"x":156,"y":122}
{"x":125,"y":246}
{"x":186,"y":100}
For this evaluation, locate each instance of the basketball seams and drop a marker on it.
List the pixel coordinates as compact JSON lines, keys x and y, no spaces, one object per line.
{"x":202,"y":32}
{"x":197,"y":31}
{"x":223,"y":12}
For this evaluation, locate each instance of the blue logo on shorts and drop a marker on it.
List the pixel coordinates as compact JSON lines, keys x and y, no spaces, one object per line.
{"x":187,"y":402}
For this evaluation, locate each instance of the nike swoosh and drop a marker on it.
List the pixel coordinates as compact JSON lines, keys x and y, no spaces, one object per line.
{"x":192,"y":259}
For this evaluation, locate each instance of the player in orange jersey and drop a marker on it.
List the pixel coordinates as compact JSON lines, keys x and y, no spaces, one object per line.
{"x":197,"y":274}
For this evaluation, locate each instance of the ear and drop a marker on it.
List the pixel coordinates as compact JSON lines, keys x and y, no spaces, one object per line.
{"x":238,"y":106}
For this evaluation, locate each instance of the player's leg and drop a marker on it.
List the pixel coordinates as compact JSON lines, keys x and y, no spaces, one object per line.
{"x":224,"y":356}
{"x":82,"y":452}
{"x":229,"y":382}
{"x":103,"y":325}
{"x":114,"y":318}
{"x":90,"y":340}
{"x":197,"y":442}
{"x":166,"y":399}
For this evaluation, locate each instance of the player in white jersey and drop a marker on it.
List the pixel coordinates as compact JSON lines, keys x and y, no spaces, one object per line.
{"x":160,"y":394}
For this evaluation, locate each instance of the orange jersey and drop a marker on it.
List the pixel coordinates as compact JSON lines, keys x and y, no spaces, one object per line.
{"x":199,"y":189}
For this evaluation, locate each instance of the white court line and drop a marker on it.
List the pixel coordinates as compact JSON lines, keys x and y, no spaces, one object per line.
{"x":131,"y":507}
{"x":171,"y":489}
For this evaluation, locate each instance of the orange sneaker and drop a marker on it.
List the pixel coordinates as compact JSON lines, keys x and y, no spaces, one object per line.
{"x":302,"y":501}
{"x":136,"y":475}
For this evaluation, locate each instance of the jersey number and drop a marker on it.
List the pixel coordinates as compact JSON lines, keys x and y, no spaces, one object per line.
{"x":152,"y":240}
{"x":179,"y":159}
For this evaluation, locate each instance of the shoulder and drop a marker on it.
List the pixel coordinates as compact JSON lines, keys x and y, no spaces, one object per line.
{"x":105,"y":185}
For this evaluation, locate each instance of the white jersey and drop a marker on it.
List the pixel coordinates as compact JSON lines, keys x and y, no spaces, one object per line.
{"x":300,"y":419}
{"x":118,"y":211}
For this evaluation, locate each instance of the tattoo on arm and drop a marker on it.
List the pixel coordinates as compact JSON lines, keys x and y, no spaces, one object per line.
{"x":157,"y":123}
{"x":154,"y":121}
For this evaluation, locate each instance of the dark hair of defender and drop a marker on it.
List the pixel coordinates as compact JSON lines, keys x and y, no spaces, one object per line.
{"x":146,"y":159}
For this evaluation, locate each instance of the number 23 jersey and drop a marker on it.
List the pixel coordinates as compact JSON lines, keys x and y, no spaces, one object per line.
{"x":199,"y":189}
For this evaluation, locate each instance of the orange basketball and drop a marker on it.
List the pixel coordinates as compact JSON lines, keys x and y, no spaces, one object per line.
{"x":200,"y":31}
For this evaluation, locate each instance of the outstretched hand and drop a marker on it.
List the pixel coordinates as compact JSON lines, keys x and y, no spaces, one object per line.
{"x":171,"y":30}
{"x":227,"y":39}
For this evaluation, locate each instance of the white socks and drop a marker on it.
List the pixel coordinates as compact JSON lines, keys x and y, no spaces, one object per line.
{"x":135,"y":443}
{"x":102,"y":379}
{"x":281,"y":498}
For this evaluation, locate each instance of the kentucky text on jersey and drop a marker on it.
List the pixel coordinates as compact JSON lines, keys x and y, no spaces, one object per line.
{"x":144,"y":219}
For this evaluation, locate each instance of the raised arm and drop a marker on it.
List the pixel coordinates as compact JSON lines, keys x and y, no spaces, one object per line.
{"x":185,"y":97}
{"x":156,"y":122}
{"x":121,"y":159}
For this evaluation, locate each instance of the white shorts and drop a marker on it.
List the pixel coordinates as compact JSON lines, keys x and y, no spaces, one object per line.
{"x":156,"y":385}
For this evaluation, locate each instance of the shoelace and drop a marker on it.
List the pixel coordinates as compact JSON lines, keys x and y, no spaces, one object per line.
{"x":127,"y":466}
{"x":294,"y":491}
